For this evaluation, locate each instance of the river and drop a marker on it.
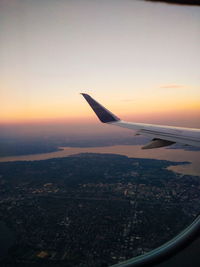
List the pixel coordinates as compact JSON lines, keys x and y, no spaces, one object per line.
{"x":135,"y":151}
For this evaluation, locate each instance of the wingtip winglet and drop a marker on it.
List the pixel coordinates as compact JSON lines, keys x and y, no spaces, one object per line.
{"x":102,"y":113}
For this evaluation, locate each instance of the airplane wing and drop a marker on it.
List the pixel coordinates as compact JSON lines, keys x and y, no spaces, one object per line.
{"x":161,"y":135}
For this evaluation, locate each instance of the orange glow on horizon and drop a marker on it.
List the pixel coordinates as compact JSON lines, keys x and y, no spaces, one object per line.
{"x":135,"y":114}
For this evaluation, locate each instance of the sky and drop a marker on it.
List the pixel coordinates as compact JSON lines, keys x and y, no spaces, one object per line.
{"x":139,"y":59}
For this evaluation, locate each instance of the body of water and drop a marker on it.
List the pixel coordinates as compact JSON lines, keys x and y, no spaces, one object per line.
{"x":133,"y":151}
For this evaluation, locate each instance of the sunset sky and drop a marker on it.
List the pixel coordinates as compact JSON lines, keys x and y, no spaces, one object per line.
{"x":139,"y":59}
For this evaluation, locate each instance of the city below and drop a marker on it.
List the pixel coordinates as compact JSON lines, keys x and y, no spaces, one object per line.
{"x":91,"y":209}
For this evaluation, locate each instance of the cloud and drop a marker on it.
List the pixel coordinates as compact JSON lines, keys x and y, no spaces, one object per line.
{"x":172,"y":86}
{"x":128,"y":100}
{"x":179,"y":2}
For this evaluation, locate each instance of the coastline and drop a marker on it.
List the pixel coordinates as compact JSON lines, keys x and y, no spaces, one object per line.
{"x":131,"y":151}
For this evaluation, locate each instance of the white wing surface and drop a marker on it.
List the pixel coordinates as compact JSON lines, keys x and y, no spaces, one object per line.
{"x":161,"y":135}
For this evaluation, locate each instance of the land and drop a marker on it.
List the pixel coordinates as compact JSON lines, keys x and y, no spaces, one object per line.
{"x":92,"y":209}
{"x":36,"y":145}
{"x":13,"y":147}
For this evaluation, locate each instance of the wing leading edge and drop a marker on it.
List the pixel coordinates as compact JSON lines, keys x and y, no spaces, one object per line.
{"x":161,"y":135}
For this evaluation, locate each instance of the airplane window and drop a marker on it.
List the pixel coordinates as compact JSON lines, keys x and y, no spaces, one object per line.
{"x":83,"y":184}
